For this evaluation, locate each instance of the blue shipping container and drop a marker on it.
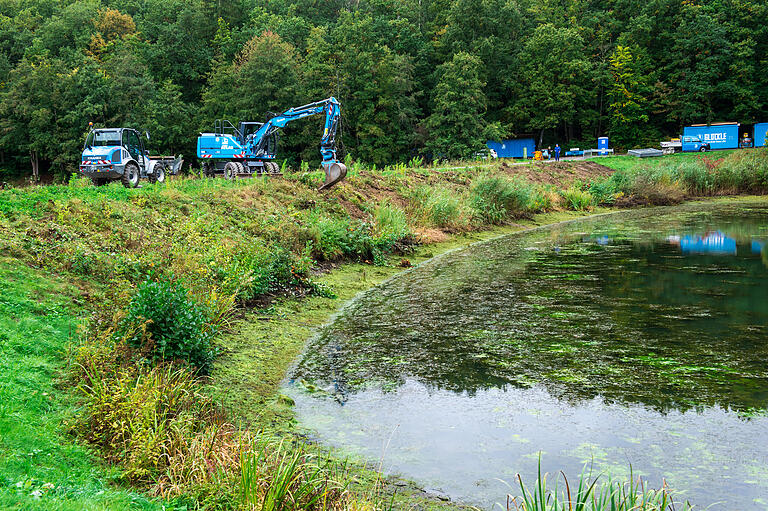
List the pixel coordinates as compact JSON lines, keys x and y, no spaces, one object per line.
{"x":760,"y":133}
{"x":513,"y":148}
{"x":719,"y":136}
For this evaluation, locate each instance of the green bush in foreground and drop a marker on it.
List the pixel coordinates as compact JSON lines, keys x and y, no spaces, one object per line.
{"x":163,"y":320}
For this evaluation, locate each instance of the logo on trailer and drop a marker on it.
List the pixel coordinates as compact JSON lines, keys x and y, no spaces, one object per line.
{"x":715,"y":137}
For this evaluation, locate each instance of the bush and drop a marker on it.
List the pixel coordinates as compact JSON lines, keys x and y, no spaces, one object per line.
{"x":165,"y":323}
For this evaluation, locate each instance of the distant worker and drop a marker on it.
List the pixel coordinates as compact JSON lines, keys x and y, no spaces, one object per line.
{"x":557,"y":152}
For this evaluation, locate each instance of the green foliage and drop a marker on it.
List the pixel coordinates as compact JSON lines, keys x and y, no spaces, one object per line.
{"x":594,"y":494}
{"x":494,"y":198}
{"x":41,"y":467}
{"x":627,"y":106}
{"x":578,"y":200}
{"x":164,"y":321}
{"x":428,"y":79}
{"x":440,"y":207}
{"x":456,"y":127}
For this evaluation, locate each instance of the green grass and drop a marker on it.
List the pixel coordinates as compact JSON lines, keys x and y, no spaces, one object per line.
{"x":627,"y":162}
{"x":40,"y":466}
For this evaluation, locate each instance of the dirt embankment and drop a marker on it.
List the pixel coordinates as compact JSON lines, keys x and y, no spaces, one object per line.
{"x":560,"y":174}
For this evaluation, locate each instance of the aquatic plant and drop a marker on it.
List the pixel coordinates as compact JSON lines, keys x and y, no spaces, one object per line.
{"x":591,"y":494}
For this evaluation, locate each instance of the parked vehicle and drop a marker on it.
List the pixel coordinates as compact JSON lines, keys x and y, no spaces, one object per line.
{"x":694,"y":144}
{"x":251,"y":148}
{"x":719,"y":135}
{"x":110,"y":154}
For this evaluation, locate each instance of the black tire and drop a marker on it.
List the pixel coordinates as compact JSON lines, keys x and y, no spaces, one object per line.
{"x":130,"y":177}
{"x":209,"y":169}
{"x":231,"y":170}
{"x":98,"y":182}
{"x":702,"y":149}
{"x":158,"y":174}
{"x":273,"y":168}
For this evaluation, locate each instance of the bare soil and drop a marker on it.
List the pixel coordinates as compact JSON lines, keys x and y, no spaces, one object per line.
{"x":561,"y":174}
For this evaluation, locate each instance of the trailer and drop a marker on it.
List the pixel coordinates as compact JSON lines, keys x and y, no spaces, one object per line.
{"x":720,"y":135}
{"x":759,"y":136}
{"x":513,"y":147}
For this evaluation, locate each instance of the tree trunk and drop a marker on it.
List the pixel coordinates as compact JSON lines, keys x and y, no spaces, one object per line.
{"x":35,"y":160}
{"x":541,"y":137}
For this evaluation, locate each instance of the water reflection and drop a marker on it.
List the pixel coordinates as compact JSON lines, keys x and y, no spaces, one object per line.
{"x":566,"y":332}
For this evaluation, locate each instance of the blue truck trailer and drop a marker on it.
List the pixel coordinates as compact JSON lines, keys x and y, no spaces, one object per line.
{"x":513,"y":148}
{"x":760,"y":134}
{"x":721,"y":135}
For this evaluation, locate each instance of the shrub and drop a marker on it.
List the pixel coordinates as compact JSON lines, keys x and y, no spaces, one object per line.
{"x":603,"y":191}
{"x":164,"y":322}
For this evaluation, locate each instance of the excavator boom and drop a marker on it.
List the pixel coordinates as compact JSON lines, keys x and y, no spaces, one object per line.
{"x":335,"y":170}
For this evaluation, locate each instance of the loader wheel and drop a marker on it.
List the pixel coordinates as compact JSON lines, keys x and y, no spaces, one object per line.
{"x":230,"y":170}
{"x":209,"y":170}
{"x":158,"y":174}
{"x":99,"y":182}
{"x":130,"y":177}
{"x":273,"y":167}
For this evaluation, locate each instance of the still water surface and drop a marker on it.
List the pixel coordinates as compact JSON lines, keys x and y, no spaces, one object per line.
{"x":636,"y":337}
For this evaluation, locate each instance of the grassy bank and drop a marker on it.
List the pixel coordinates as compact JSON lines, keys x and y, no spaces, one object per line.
{"x":200,"y":293}
{"x":40,"y":466}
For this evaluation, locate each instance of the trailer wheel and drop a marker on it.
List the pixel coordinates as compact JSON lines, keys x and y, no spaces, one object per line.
{"x":230,"y":170}
{"x":130,"y":177}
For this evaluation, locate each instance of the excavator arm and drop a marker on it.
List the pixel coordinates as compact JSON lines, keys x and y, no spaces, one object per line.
{"x":335,"y":171}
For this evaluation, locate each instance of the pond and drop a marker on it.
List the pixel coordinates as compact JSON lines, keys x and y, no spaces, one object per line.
{"x":636,"y":338}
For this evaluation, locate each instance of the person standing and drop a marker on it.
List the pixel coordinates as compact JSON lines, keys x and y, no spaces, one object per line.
{"x":557,"y":152}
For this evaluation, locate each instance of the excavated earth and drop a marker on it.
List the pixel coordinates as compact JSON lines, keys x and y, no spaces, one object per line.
{"x":560,"y":174}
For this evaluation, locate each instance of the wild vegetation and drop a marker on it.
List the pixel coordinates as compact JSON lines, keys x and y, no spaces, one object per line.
{"x":434,"y":78}
{"x":165,"y":268}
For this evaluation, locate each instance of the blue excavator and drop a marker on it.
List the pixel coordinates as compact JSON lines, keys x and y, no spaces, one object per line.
{"x":251,"y":148}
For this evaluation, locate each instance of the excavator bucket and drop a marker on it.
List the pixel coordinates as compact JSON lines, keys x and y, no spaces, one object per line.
{"x":334,"y":172}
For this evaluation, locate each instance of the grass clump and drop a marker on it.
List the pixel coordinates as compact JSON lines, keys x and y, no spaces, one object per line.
{"x":578,"y":199}
{"x":591,"y":494}
{"x":495,"y":198}
{"x":440,"y":207}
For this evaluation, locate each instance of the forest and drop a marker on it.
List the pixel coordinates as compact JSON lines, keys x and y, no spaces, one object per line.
{"x":430,"y":78}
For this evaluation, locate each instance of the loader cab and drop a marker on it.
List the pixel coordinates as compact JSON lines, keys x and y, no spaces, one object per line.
{"x":131,"y":141}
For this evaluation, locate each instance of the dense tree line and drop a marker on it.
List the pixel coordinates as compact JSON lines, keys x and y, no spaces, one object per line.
{"x":415,"y":77}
